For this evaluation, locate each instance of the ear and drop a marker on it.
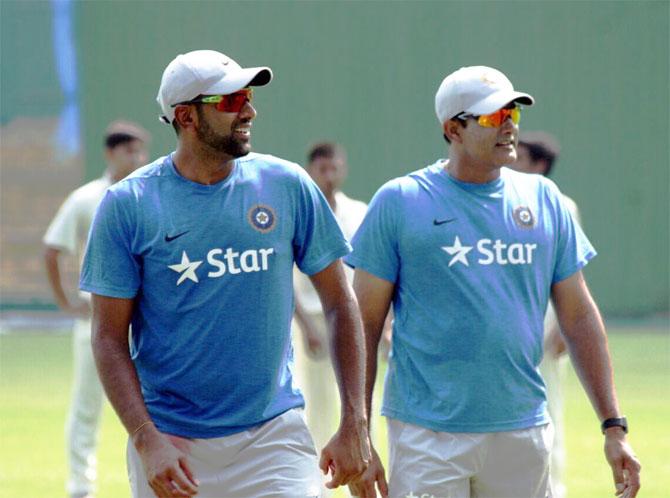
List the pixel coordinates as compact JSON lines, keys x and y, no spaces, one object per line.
{"x":453,"y":129}
{"x":186,"y":116}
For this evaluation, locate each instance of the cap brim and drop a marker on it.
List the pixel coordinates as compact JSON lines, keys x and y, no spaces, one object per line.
{"x":499,"y":100}
{"x":251,"y":76}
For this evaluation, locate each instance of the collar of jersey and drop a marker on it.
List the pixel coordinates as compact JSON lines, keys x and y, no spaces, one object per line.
{"x":476,"y":188}
{"x":199,"y":186}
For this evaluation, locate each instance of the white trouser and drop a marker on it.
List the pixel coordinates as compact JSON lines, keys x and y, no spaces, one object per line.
{"x":553,"y":371}
{"x":276,"y":459}
{"x":81,"y":430}
{"x":429,"y":464}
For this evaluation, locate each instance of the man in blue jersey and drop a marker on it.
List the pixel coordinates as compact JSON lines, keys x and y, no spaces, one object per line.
{"x":470,"y":252}
{"x":196,"y":251}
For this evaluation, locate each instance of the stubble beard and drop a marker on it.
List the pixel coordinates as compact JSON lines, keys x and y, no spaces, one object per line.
{"x":227,"y":144}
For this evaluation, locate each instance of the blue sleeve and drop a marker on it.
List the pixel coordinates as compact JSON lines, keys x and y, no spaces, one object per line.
{"x":110,"y":268}
{"x":318,"y":239}
{"x":573,"y":248}
{"x":375,"y":243}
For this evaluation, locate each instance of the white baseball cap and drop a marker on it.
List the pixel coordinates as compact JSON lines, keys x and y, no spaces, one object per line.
{"x":204,"y":72}
{"x":475,"y":90}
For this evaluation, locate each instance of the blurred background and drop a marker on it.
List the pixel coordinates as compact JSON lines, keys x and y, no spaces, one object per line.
{"x":360,"y":73}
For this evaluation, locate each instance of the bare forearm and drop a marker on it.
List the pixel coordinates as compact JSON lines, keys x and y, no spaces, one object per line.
{"x":587,"y":342}
{"x":373,"y":333}
{"x":119,"y":378}
{"x":347,"y":352}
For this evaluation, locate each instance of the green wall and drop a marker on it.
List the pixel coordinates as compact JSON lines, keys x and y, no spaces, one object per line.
{"x":365,"y":73}
{"x":28,"y":78}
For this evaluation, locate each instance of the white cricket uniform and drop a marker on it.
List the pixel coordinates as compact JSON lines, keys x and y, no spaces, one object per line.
{"x":553,"y":371}
{"x":68,"y":232}
{"x":315,"y":377}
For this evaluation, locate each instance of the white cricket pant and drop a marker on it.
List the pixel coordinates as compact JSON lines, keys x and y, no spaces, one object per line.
{"x":81,"y":430}
{"x":276,"y":459}
{"x":428,"y":464}
{"x":553,"y":371}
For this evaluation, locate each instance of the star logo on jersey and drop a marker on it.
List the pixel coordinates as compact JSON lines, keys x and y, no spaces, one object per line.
{"x":186,"y":268}
{"x":458,"y":252}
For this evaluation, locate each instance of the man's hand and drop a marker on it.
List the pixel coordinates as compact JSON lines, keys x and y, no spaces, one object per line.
{"x":365,"y":486}
{"x":164,"y":458}
{"x":625,"y":466}
{"x":347,"y":454}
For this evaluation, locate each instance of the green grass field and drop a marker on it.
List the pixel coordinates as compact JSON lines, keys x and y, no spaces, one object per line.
{"x":34,"y":391}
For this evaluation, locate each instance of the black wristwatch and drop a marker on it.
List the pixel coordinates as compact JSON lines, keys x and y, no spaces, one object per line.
{"x":615,"y":422}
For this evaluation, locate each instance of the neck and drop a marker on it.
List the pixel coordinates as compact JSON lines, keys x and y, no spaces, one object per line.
{"x":202,"y":165}
{"x":330,"y":197}
{"x":467,"y":169}
{"x":114,"y":175}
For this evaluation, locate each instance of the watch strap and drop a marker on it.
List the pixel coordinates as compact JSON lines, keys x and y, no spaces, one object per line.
{"x":615,"y":422}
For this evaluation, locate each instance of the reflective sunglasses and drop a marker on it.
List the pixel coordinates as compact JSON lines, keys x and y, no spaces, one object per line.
{"x":233,"y":102}
{"x":495,"y":119}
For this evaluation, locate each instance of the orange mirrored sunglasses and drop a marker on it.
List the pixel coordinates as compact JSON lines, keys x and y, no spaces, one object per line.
{"x":495,"y":119}
{"x":233,"y":102}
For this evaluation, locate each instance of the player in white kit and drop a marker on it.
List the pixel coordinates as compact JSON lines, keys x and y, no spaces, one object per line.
{"x":327,"y":165}
{"x":125,"y":150}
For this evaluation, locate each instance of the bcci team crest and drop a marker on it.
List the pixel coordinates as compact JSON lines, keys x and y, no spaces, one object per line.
{"x":523,"y":217}
{"x":262,"y":218}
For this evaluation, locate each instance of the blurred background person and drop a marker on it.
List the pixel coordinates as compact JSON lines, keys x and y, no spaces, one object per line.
{"x":125,"y":150}
{"x":537,"y":154}
{"x":327,"y":165}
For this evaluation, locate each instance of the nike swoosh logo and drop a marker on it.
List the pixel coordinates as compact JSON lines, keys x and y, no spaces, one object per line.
{"x":170,"y":239}
{"x":437,"y":222}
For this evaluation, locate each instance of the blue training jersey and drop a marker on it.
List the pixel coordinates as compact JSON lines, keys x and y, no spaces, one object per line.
{"x":472,"y":266}
{"x":210,"y":270}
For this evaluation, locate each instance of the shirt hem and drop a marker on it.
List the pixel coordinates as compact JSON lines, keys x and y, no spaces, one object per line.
{"x":354,"y":262}
{"x":108,"y":291}
{"x":581,"y":264}
{"x":178,"y":430}
{"x":512,"y":425}
{"x":324,"y":261}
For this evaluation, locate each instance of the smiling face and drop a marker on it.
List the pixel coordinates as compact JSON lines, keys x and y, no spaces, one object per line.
{"x":226,"y":132}
{"x":493,"y":147}
{"x":481,"y":149}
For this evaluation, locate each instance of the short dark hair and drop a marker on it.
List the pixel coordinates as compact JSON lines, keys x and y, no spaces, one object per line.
{"x":325,"y":149}
{"x":541,"y":146}
{"x":117,"y":139}
{"x":120,"y":132}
